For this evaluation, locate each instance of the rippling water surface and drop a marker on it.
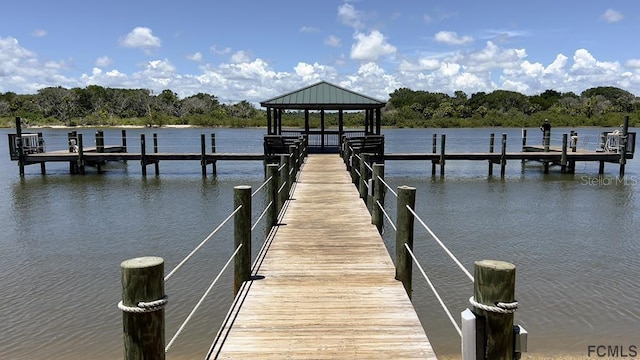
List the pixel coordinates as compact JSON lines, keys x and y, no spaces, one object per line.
{"x":573,"y":239}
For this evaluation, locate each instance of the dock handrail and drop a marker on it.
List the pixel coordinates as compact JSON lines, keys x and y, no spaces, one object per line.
{"x":284,"y":174}
{"x":497,"y":328}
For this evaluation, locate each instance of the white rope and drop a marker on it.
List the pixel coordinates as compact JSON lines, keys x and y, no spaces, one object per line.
{"x":435,"y":292}
{"x":173,"y":339}
{"x":499,"y":307}
{"x":262,"y":215}
{"x":261,"y":186}
{"x":282,"y":167}
{"x":282,"y":187}
{"x":386,"y":215}
{"x":387,"y":186}
{"x":201,"y":244}
{"x":144,"y":307}
{"x":368,"y":166}
{"x":357,"y":172}
{"x":464,"y":270}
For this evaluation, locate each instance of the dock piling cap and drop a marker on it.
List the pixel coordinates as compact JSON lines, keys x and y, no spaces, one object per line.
{"x":496,"y":265}
{"x":142,"y":262}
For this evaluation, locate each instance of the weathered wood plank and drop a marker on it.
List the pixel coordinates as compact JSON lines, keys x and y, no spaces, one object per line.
{"x":326,"y":288}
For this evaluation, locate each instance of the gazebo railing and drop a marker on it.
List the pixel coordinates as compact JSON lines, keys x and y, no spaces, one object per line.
{"x":323,"y":140}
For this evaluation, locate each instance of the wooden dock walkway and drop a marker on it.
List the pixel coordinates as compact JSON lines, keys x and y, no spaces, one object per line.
{"x":326,"y":287}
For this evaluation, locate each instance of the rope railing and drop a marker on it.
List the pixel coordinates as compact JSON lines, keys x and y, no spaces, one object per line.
{"x":184,"y":261}
{"x":387,"y":186}
{"x":266,"y":208}
{"x":386,"y":215}
{"x":175,"y":336}
{"x":446,"y":250}
{"x":261,"y":187}
{"x":435,"y":292}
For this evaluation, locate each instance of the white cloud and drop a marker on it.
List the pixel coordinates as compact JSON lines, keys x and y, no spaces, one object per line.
{"x":103,"y":61}
{"x":349,"y":16}
{"x":452,"y":38}
{"x":612,"y":16}
{"x":142,"y":38}
{"x":584,"y":62}
{"x":197,"y":57}
{"x":493,"y":57}
{"x":333,"y":41}
{"x":633,"y":63}
{"x":217,"y":51}
{"x":426,"y":64}
{"x":313,"y":73}
{"x":240,"y":57}
{"x":371,"y":47}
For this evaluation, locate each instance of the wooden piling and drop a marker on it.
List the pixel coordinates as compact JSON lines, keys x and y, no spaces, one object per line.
{"x":143,"y":333}
{"x":80,"y":154}
{"x":503,"y":157}
{"x":20,"y":145}
{"x":355,"y":168}
{"x":377,"y":216}
{"x":214,"y":163}
{"x":156,"y":162}
{"x":124,"y":140}
{"x":434,"y":149}
{"x":492,"y":140}
{"x":99,"y":148}
{"x":292,"y":165}
{"x":100,"y":141}
{"x":272,"y":196}
{"x":242,"y":236}
{"x":43,"y":166}
{"x":495,"y":282}
{"x":524,"y":143}
{"x":283,"y":183}
{"x":203,"y":153}
{"x":404,"y":235}
{"x":365,"y":175}
{"x":563,"y":157}
{"x":143,"y":154}
{"x":623,"y":147}
{"x":442,"y":150}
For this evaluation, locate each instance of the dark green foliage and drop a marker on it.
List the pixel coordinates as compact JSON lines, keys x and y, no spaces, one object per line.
{"x":99,"y":106}
{"x":601,"y":106}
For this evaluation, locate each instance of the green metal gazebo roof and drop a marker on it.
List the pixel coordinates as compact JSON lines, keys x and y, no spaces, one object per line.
{"x":323,"y":96}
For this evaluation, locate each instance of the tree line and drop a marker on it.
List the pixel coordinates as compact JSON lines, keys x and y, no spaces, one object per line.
{"x":99,"y":106}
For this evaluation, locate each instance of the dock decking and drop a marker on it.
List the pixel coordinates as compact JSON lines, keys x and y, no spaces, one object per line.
{"x":325,"y":288}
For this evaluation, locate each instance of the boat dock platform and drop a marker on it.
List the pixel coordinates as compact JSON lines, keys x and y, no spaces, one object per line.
{"x":325,"y":288}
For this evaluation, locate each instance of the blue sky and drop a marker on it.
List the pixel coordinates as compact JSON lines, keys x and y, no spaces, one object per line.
{"x":254,"y":50}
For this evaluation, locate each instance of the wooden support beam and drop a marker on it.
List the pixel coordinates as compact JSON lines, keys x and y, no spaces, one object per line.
{"x":242,"y":235}
{"x":404,"y":235}
{"x":443,"y":146}
{"x":495,"y":283}
{"x":503,"y":158}
{"x":492,"y":139}
{"x":143,"y":281}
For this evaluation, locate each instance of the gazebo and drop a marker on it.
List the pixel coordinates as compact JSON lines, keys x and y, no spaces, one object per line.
{"x":323,"y":97}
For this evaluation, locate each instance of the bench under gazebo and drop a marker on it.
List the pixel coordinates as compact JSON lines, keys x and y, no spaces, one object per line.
{"x":322,"y":97}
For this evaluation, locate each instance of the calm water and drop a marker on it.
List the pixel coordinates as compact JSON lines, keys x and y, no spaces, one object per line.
{"x":573,"y":238}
